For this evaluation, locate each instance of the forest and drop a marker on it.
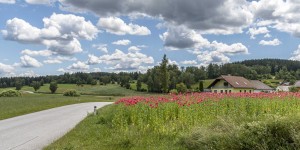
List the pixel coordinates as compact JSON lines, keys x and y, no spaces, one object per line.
{"x":165,"y":77}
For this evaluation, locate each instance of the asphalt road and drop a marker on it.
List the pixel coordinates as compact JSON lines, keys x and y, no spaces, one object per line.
{"x":37,"y":130}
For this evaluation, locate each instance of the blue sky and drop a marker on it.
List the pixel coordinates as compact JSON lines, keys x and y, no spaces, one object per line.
{"x":41,"y":37}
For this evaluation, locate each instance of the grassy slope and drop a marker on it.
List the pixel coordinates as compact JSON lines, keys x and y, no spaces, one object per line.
{"x":28,"y":103}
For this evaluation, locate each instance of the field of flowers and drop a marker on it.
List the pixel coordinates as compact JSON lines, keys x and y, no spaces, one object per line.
{"x":172,"y":114}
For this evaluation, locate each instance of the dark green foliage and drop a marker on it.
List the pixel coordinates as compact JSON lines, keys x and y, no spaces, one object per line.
{"x":10,"y":93}
{"x":201,"y":88}
{"x":138,"y":85}
{"x":293,"y":89}
{"x":36,"y":85}
{"x":165,"y":76}
{"x":94,"y":82}
{"x":53,"y":87}
{"x":18,"y":85}
{"x":181,"y":87}
{"x":272,"y":134}
{"x":72,"y":93}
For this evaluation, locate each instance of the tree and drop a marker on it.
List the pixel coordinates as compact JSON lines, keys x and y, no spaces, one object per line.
{"x":53,"y":87}
{"x":36,"y":85}
{"x":165,"y":76}
{"x":18,"y":85}
{"x":94,"y":82}
{"x":138,"y":85}
{"x":201,"y":88}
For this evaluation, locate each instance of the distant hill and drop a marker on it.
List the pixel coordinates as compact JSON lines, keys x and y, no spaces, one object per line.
{"x":275,"y":64}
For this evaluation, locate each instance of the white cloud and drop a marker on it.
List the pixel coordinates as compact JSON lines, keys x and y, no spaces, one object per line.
{"x":58,"y":35}
{"x":212,"y":57}
{"x":268,"y":35}
{"x":79,"y":66}
{"x":122,"y":42}
{"x":256,"y":31}
{"x":296,"y":54}
{"x":126,"y":61}
{"x":59,"y":59}
{"x":134,"y":49}
{"x":189,"y":62}
{"x":117,"y":26}
{"x":29,"y":73}
{"x":92,"y":60}
{"x":101,"y":47}
{"x":29,"y":62}
{"x":8,"y":1}
{"x":61,"y":70}
{"x":6,"y":69}
{"x":96,"y":70}
{"x":274,"y":42}
{"x":37,"y":53}
{"x":44,"y":2}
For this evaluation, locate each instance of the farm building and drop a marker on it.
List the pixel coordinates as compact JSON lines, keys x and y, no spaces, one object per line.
{"x":283,"y":88}
{"x":261,"y":87}
{"x":231,"y":84}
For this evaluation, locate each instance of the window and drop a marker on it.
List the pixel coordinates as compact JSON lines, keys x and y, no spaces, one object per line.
{"x":245,"y":91}
{"x":229,"y":91}
{"x":221,"y":91}
{"x":250,"y":91}
{"x":226,"y":91}
{"x":225,"y":83}
{"x":240,"y":91}
{"x":215,"y":91}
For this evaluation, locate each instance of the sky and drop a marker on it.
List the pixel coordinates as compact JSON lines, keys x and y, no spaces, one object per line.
{"x":51,"y":37}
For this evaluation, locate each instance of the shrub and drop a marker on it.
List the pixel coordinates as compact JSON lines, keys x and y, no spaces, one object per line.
{"x":53,"y":87}
{"x":174,"y":91}
{"x":72,"y":93}
{"x":293,"y":89}
{"x":181,"y":87}
{"x":10,"y":93}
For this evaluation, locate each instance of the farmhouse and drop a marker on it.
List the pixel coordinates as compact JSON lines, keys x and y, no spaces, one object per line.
{"x":261,"y":87}
{"x":231,"y":84}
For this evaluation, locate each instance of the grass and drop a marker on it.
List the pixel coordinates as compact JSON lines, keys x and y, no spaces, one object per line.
{"x":102,"y":90}
{"x":195,"y":121}
{"x":28,"y":103}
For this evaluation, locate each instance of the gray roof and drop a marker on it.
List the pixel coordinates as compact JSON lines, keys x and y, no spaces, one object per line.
{"x":258,"y":85}
{"x":234,"y":81}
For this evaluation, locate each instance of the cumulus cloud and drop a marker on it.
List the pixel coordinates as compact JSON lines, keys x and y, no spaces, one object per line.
{"x":92,"y":60}
{"x":29,"y":62}
{"x":6,"y":69}
{"x":58,"y":35}
{"x":79,"y":66}
{"x":59,"y":59}
{"x":126,"y":61}
{"x":122,"y":42}
{"x":8,"y":1}
{"x":117,"y":26}
{"x":256,"y":31}
{"x":101,"y":47}
{"x":134,"y":49}
{"x":218,"y":16}
{"x":296,"y":54}
{"x":207,"y":57}
{"x":274,"y":42}
{"x":37,"y":53}
{"x":189,"y":62}
{"x":29,"y":73}
{"x":44,"y":2}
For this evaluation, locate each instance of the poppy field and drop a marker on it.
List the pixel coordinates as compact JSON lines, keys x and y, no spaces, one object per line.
{"x":173,"y":114}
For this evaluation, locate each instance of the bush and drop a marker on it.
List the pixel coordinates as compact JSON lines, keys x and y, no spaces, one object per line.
{"x":72,"y":93}
{"x":181,"y":87}
{"x":53,"y":87}
{"x":10,"y":93}
{"x":293,"y":89}
{"x":273,"y":133}
{"x":174,"y":91}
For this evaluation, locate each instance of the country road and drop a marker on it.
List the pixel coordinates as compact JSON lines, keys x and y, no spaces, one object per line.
{"x":37,"y":130}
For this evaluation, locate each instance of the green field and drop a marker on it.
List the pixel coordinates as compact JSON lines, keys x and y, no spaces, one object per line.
{"x":28,"y":103}
{"x":102,"y":90}
{"x":239,"y":122}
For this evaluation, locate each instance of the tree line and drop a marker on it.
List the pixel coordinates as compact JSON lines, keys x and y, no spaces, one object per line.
{"x":166,"y":77}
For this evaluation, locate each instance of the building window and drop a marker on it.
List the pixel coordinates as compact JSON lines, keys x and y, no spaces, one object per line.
{"x":215,"y":91}
{"x":226,"y":91}
{"x":221,"y":91}
{"x":229,"y":91}
{"x":250,"y":91}
{"x":245,"y":91}
{"x":240,"y":91}
{"x":225,"y":84}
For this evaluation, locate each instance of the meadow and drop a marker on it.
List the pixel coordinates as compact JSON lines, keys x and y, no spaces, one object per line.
{"x":191,"y":121}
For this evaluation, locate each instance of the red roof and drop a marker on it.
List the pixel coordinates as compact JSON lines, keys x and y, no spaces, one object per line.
{"x":234,"y":81}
